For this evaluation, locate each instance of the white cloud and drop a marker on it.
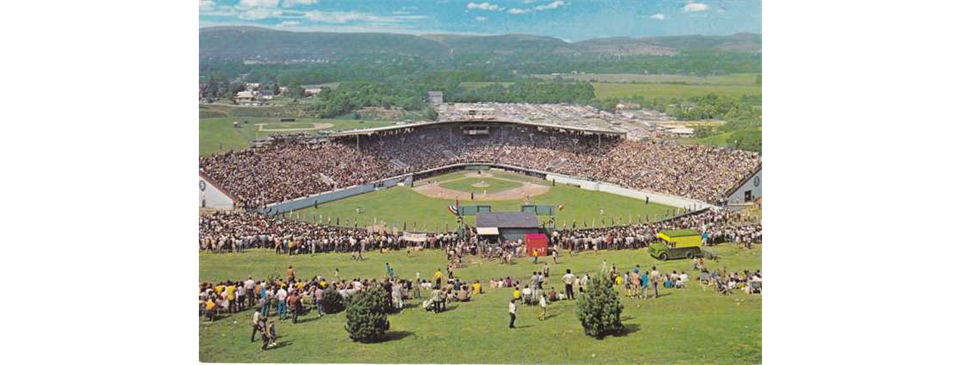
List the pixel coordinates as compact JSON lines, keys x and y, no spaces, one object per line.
{"x":481,"y":18}
{"x":484,"y":6}
{"x":207,"y":5}
{"x":292,"y":3}
{"x":288,"y":23}
{"x":658,"y":16}
{"x":695,"y":7}
{"x":529,"y":1}
{"x":550,"y":6}
{"x":553,"y":5}
{"x":260,"y":13}
{"x":250,"y":4}
{"x":343,"y":17}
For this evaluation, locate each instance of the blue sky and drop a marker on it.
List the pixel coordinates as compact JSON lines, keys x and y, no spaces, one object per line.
{"x":571,"y":20}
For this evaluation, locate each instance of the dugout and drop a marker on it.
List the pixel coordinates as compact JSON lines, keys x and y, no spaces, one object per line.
{"x":507,"y":225}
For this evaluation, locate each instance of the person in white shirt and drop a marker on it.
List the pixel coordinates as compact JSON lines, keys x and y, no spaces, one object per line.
{"x":568,"y":280}
{"x":282,"y":303}
{"x":543,"y":307}
{"x":256,"y":324}
{"x":512,"y":309}
{"x":250,"y":285}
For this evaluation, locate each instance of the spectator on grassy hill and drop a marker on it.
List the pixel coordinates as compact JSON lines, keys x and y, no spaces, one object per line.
{"x":512,"y":310}
{"x":568,"y":281}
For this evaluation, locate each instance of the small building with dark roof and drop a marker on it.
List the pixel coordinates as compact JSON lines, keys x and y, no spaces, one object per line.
{"x":507,"y":225}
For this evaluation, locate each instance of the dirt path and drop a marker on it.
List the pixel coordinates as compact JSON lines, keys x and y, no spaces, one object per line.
{"x":434,"y":190}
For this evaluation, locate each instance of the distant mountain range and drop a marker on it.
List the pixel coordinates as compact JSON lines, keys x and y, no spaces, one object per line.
{"x":254,"y":43}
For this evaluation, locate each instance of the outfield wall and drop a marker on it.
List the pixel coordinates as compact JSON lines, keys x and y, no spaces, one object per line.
{"x":326,"y":197}
{"x":659,"y":198}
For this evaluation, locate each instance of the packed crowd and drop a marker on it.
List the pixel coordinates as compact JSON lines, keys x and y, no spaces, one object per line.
{"x":719,"y":226}
{"x":292,"y":168}
{"x":235,"y":231}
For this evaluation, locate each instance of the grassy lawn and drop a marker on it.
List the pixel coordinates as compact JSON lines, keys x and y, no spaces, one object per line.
{"x":682,"y":326}
{"x":495,"y":185}
{"x":218,"y":134}
{"x":402,"y":204}
{"x":654,"y":90}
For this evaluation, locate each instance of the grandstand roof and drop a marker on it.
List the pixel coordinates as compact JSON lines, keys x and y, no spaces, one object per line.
{"x":507,"y":220}
{"x":371,"y":131}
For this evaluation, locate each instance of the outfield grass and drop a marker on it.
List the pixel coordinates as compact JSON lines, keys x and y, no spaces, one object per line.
{"x":219,"y":135}
{"x":402,"y":204}
{"x":496,"y":185}
{"x":668,"y":91}
{"x":682,"y":326}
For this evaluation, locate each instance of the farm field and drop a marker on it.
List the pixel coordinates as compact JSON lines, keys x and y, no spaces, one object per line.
{"x":700,"y":325}
{"x":653,"y":90}
{"x":747,"y":79}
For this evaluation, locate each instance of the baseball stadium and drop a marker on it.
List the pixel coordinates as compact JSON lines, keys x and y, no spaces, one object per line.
{"x":451,"y":217}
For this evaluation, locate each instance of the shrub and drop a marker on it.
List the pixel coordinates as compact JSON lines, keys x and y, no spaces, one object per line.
{"x":599,"y":308}
{"x":331,"y":302}
{"x":366,"y":315}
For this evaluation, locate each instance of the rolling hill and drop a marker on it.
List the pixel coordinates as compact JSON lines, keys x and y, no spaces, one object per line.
{"x":254,"y":43}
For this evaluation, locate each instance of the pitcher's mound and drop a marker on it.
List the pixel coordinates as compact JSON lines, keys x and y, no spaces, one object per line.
{"x":481,"y":184}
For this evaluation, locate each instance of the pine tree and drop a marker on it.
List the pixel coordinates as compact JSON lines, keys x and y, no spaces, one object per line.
{"x":331,"y":302}
{"x":366,"y":315}
{"x":599,"y":308}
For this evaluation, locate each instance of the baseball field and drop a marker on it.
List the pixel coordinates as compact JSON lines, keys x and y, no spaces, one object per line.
{"x":424,"y":206}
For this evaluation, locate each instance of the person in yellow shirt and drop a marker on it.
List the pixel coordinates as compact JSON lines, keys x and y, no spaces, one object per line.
{"x":516,"y":293}
{"x":231,"y":297}
{"x":477,"y":288}
{"x":211,"y":308}
{"x":437,"y":277}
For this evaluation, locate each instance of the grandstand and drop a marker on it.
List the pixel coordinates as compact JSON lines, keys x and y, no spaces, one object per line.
{"x":295,"y":168}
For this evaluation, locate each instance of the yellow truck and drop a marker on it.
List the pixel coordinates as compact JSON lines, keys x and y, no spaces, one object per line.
{"x":675,"y":244}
